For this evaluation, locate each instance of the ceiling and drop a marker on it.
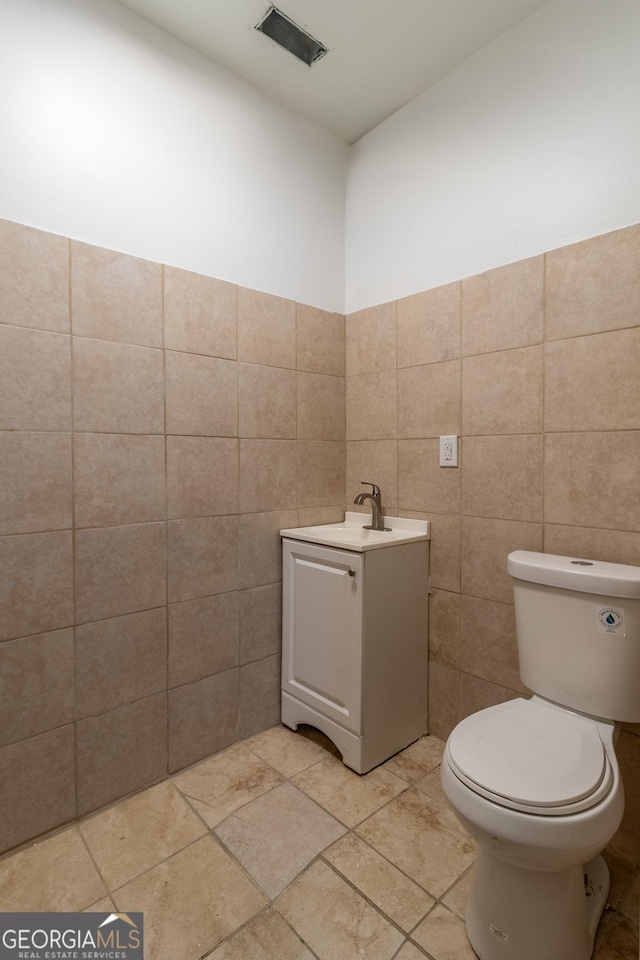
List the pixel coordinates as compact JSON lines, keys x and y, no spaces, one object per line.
{"x":382,"y":53}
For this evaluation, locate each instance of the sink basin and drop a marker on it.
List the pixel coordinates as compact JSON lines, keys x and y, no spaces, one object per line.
{"x":351,"y":535}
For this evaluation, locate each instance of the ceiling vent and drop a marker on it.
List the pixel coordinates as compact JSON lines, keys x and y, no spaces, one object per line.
{"x":289,"y":35}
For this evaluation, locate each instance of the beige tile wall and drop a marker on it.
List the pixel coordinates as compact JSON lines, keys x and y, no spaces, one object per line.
{"x":157,"y":429}
{"x":536,"y":366}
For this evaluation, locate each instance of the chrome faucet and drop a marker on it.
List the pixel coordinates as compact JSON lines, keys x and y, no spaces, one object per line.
{"x":377,"y":522}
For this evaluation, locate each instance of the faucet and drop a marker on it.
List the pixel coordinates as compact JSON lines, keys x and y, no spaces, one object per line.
{"x":377,"y":522}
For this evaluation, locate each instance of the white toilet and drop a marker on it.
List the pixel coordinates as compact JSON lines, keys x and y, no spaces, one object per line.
{"x":536,"y":782}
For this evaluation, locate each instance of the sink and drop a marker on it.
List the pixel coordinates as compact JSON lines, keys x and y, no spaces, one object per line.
{"x":351,"y":535}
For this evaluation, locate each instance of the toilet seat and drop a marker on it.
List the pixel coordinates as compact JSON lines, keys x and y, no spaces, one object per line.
{"x":531,"y":756}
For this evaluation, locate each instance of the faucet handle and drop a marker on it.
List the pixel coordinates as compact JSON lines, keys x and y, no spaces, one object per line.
{"x":376,"y":489}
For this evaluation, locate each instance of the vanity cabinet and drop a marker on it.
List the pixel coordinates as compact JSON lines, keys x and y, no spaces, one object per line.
{"x":354,"y":646}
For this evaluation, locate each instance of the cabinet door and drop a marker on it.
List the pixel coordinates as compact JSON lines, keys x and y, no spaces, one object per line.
{"x":322,"y":630}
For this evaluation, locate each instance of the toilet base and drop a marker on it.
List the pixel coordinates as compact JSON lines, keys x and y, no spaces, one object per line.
{"x":519,"y":914}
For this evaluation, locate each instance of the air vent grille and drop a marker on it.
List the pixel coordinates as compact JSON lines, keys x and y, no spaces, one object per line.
{"x":291,"y":37}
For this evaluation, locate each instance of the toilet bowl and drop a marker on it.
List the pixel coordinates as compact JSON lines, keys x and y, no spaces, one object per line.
{"x":536,"y":782}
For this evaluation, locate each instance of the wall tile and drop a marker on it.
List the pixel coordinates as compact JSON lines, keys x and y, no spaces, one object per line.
{"x":35,"y":479}
{"x":260,"y":546}
{"x":115,"y":296}
{"x":121,"y":751}
{"x":199,"y":314}
{"x":118,"y":479}
{"x":36,"y":685}
{"x":429,"y":326}
{"x":429,"y":400}
{"x":267,"y":475}
{"x":444,"y":551}
{"x":202,"y":557}
{"x":36,"y":574}
{"x":503,"y":308}
{"x":259,"y":696}
{"x":320,"y":341}
{"x":119,"y":570}
{"x":374,"y":461}
{"x":485,"y":546}
{"x":502,"y":392}
{"x":321,"y":473}
{"x":591,"y":479}
{"x":477,"y":694}
{"x":34,"y":278}
{"x":590,"y":543}
{"x":422,"y":483}
{"x":311,"y":516}
{"x":202,"y":476}
{"x":371,"y":340}
{"x":38,"y":786}
{"x":372,"y":406}
{"x":489,"y":648}
{"x":119,"y":661}
{"x":444,"y":699}
{"x":594,"y":285}
{"x":266,"y":329}
{"x":444,"y":628}
{"x":321,"y":407}
{"x":591,"y":383}
{"x":117,"y":388}
{"x":266,"y":402}
{"x":502,"y":477}
{"x":203,"y":637}
{"x":260,"y":622}
{"x":202,"y":395}
{"x":203,"y":718}
{"x":35,"y":380}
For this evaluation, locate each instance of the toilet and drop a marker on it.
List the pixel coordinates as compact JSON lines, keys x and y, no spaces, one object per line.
{"x":536,"y":782}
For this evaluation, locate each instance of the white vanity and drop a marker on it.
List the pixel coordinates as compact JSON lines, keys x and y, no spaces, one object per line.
{"x":354,"y":636}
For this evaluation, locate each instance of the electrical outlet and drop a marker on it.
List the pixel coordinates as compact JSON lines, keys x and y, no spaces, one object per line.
{"x":448,"y":451}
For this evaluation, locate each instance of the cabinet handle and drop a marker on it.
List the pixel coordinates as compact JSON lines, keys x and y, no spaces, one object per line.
{"x":352,"y":573}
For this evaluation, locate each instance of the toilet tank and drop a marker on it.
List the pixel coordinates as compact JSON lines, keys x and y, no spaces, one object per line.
{"x":578,"y":627}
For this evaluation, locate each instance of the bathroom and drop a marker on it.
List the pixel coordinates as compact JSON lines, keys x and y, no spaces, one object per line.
{"x":197,"y":240}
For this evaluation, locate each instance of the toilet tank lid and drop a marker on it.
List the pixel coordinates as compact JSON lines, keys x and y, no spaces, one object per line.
{"x":576,"y":573}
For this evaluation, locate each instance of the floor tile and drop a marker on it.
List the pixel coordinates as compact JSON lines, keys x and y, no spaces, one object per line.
{"x":343,"y":924}
{"x":347,"y":795}
{"x":396,"y":895}
{"x":225,"y":782}
{"x":288,"y":751}
{"x":616,"y":939}
{"x":432,"y":786}
{"x":140,"y":832}
{"x":278,"y":835}
{"x":629,"y":904}
{"x":106,"y":905}
{"x":266,"y":938}
{"x":417,"y":760}
{"x":422,"y":837}
{"x":456,"y":899}
{"x":409,"y":951}
{"x":191,"y":901}
{"x":53,"y":875}
{"x":443,"y":936}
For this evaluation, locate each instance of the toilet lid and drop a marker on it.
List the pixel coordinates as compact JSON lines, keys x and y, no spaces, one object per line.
{"x":530,"y":753}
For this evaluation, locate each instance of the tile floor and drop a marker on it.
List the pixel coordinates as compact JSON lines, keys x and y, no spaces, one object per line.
{"x":273,"y":850}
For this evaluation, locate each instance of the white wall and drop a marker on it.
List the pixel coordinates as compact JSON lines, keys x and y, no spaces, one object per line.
{"x":113,"y":133}
{"x":532,"y":143}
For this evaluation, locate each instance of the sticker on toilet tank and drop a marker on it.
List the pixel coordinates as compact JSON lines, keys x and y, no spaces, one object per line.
{"x":611,"y":620}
